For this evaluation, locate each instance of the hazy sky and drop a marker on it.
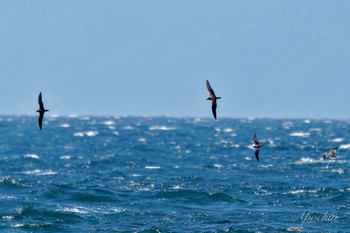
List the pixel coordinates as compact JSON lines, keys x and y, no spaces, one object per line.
{"x":151,"y":58}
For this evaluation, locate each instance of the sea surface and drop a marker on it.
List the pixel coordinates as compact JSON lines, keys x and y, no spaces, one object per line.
{"x":138,"y":174}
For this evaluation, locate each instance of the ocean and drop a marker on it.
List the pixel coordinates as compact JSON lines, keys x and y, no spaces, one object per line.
{"x":163,"y":174}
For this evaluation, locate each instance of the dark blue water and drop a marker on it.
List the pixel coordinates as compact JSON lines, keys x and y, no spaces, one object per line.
{"x":107,"y":174}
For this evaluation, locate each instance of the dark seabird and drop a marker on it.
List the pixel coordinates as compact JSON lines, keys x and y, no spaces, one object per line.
{"x":213,"y":98}
{"x":330,"y":154}
{"x":41,"y":111}
{"x":256,"y":146}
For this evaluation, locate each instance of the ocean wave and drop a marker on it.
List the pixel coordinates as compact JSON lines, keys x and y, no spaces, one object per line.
{"x":338,"y":140}
{"x":345,"y":146}
{"x":300,"y":134}
{"x":10,"y":181}
{"x":161,"y":127}
{"x":31,"y":156}
{"x":195,"y":195}
{"x":65,"y":125}
{"x":39,"y":172}
{"x":303,"y":161}
{"x":74,"y":209}
{"x":87,"y":133}
{"x":152,"y":167}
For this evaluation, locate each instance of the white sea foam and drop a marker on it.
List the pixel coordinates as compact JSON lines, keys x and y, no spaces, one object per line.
{"x":306,"y":121}
{"x":300,"y":134}
{"x":338,"y":139}
{"x":108,"y":122}
{"x":65,"y":157}
{"x":338,"y":171}
{"x":228,"y":130}
{"x":65,"y":125}
{"x":32,"y":156}
{"x":308,"y":161}
{"x":75,"y":209}
{"x":8,"y":217}
{"x":160,"y":127}
{"x":87,"y":133}
{"x":218,"y":166}
{"x":152,"y":167}
{"x":39,"y":172}
{"x":345,"y":146}
{"x":142,"y":139}
{"x":128,"y":127}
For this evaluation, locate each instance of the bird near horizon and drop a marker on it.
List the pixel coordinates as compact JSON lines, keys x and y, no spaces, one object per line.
{"x":213,"y":98}
{"x":256,"y":146}
{"x":41,"y":111}
{"x":331,"y":153}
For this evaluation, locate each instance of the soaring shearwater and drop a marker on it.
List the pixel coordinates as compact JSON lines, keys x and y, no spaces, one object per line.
{"x":256,"y":146}
{"x":213,"y":99}
{"x":41,"y":111}
{"x":330,"y":154}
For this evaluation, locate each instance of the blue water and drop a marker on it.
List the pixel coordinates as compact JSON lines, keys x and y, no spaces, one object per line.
{"x":109,"y":174}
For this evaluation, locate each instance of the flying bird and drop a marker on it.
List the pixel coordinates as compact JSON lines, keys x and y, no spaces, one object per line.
{"x":41,"y":111}
{"x":330,"y":154}
{"x":213,"y":98}
{"x":256,"y":146}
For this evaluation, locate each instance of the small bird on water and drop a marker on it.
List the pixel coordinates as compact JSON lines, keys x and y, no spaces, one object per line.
{"x":213,"y":99}
{"x":41,"y":111}
{"x":256,"y":146}
{"x":331,"y":153}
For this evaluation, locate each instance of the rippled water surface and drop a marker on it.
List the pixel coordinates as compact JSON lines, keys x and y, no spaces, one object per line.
{"x":109,"y":174}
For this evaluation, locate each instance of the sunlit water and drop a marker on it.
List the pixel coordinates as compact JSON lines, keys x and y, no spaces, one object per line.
{"x":108,"y":174}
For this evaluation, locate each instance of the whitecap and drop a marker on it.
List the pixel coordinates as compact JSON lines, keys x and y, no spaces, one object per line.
{"x":300,"y":134}
{"x":39,"y":172}
{"x":228,"y":130}
{"x":88,"y":133}
{"x":152,"y":167}
{"x":128,"y":127}
{"x":142,"y":139}
{"x":91,"y":133}
{"x":308,"y":161}
{"x":338,"y":171}
{"x":109,"y":123}
{"x":306,"y":121}
{"x":32,"y":156}
{"x":65,"y":157}
{"x":65,"y":125}
{"x":297,"y":191}
{"x":159,"y":127}
{"x":346,"y":146}
{"x":218,"y":166}
{"x":217,"y":129}
{"x":79,"y":134}
{"x":75,"y":209}
{"x":338,"y":139}
{"x":8,"y":217}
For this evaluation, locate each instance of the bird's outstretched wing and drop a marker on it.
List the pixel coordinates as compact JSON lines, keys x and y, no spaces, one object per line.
{"x":211,"y":91}
{"x":213,"y":108}
{"x":255,"y":139}
{"x":40,"y":101}
{"x":40,"y":120}
{"x":257,"y":154}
